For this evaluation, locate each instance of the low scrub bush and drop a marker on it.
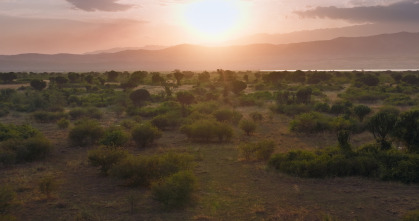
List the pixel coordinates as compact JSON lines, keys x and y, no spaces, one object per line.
{"x":89,"y":112}
{"x":143,"y":170}
{"x":166,"y":121}
{"x":145,"y":134}
{"x":105,"y":158}
{"x":63,"y":123}
{"x":86,"y":132}
{"x":256,"y":116}
{"x":248,"y":126}
{"x":48,"y":117}
{"x":114,"y":137}
{"x":11,"y":131}
{"x":175,"y":190}
{"x":366,"y":162}
{"x":292,"y":109}
{"x":206,"y":130}
{"x":257,"y":151}
{"x":24,"y":150}
{"x":312,"y":122}
{"x":48,"y":185}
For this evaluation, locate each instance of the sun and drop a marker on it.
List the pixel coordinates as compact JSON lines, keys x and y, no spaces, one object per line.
{"x":212,"y":18}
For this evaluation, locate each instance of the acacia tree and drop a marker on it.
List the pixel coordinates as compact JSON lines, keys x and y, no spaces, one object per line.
{"x":381,"y":125}
{"x":238,"y":86}
{"x":178,"y":76}
{"x":38,"y":84}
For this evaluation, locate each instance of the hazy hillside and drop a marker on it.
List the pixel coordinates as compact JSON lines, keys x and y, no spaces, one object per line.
{"x":388,"y":51}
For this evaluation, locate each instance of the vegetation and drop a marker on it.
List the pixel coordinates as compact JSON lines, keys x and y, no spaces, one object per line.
{"x":309,"y":124}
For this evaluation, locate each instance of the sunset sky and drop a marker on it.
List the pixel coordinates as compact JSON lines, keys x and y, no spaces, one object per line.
{"x":79,"y":26}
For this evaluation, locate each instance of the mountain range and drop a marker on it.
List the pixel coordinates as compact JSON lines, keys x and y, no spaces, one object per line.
{"x":385,"y":51}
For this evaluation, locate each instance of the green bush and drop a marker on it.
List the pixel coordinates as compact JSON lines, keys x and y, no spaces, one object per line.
{"x":86,"y":132}
{"x":257,"y":151}
{"x":168,"y":120}
{"x":293,"y":109}
{"x":11,"y":131}
{"x":312,"y":122}
{"x":248,"y":126}
{"x":48,"y":117}
{"x":143,"y":170}
{"x":223,"y":115}
{"x":63,"y":123}
{"x":89,"y":112}
{"x":411,"y":216}
{"x":24,"y":150}
{"x":114,"y":137}
{"x":175,"y":190}
{"x":366,"y":162}
{"x":105,"y":158}
{"x":206,"y":130}
{"x":145,"y":134}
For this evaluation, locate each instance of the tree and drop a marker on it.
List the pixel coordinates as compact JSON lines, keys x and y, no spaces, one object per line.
{"x":38,"y":84}
{"x":381,"y":125}
{"x":8,"y":77}
{"x":238,"y":86}
{"x":204,"y":77}
{"x":156,"y":78}
{"x":361,"y":111}
{"x":73,"y":77}
{"x":138,"y":76}
{"x":178,"y":76}
{"x":368,"y":79}
{"x":396,"y":77}
{"x":185,"y":98}
{"x":138,"y":97}
{"x":112,"y":76}
{"x":304,"y":95}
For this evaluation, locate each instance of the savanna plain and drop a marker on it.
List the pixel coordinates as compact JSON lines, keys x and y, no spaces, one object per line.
{"x":219,"y":145}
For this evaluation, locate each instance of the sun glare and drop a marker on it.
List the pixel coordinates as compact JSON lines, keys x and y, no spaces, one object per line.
{"x":213,"y":19}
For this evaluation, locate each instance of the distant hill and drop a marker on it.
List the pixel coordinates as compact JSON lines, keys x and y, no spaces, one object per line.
{"x":387,"y":51}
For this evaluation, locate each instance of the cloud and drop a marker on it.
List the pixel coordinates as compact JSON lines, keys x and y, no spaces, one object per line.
{"x":404,"y":11}
{"x":99,"y":5}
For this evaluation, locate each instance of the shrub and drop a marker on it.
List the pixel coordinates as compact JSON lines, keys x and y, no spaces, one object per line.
{"x":114,"y":137}
{"x":256,"y":116}
{"x":86,"y":132}
{"x":143,"y":170}
{"x":47,"y":185}
{"x":312,"y":122}
{"x":48,"y":117}
{"x":257,"y":151}
{"x":145,"y":134}
{"x":90,"y":112}
{"x":207,"y":130}
{"x":411,"y":216}
{"x":322,"y":107}
{"x":169,"y":120}
{"x":176,"y":190}
{"x":223,"y":115}
{"x":139,"y":97}
{"x":63,"y":123}
{"x":105,"y":158}
{"x":248,"y":126}
{"x":293,"y":109}
{"x":11,"y":131}
{"x":34,"y":148}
